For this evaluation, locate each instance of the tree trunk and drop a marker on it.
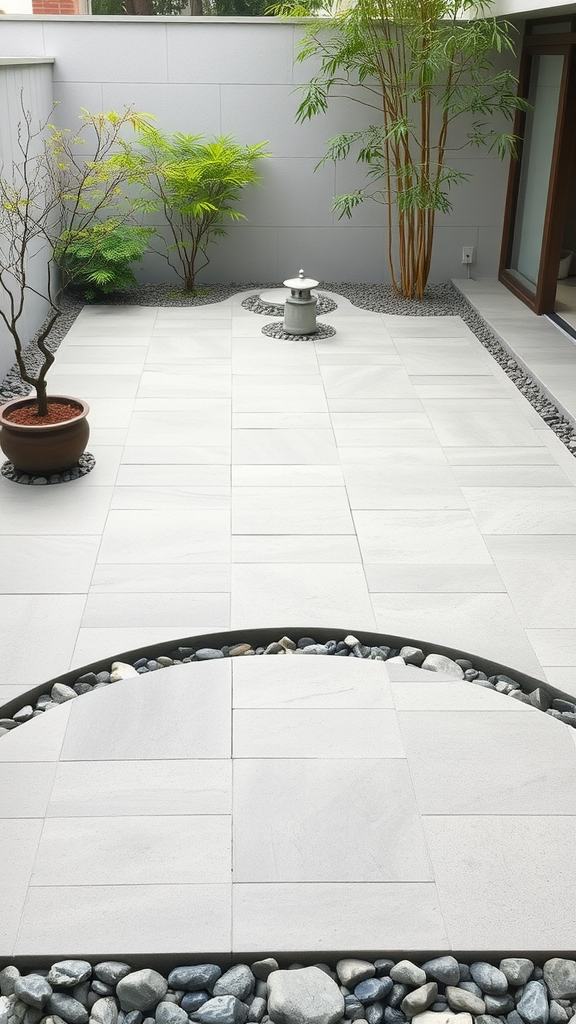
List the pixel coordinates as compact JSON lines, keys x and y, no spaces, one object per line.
{"x":196,"y":8}
{"x":139,"y":7}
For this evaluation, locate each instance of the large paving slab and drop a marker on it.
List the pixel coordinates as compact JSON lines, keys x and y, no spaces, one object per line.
{"x":390,"y":477}
{"x":287,"y":803}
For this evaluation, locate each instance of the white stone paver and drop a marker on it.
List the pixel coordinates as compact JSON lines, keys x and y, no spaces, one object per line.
{"x":234,"y":466}
{"x":391,"y":478}
{"x":283,"y":804}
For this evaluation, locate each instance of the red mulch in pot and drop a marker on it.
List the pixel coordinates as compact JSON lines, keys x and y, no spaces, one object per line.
{"x":58,"y":412}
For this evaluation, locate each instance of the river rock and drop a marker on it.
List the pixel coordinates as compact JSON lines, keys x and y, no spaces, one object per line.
{"x":33,"y":990}
{"x":461,"y":1000}
{"x":499,"y":1006}
{"x":195,"y":978}
{"x":516,"y":969}
{"x":262,"y":968}
{"x":170,"y":1013}
{"x":439,"y":663}
{"x":444,"y":969}
{"x":120,"y":670}
{"x":420,"y":999}
{"x":104,"y":1011}
{"x":60,"y":693}
{"x":8,"y":977}
{"x":533,"y":1005}
{"x":192,"y":1001}
{"x":222,"y":1010}
{"x":68,"y":1008}
{"x":304,"y":996}
{"x":257,"y":1010}
{"x":560,"y":978}
{"x":111,"y":971}
{"x":407,"y":973}
{"x":238,"y":981}
{"x":67,"y":973}
{"x":558,"y":1014}
{"x":373,"y":989}
{"x":429,"y":1017}
{"x":489,"y":978}
{"x":351,"y":972}
{"x":141,"y":990}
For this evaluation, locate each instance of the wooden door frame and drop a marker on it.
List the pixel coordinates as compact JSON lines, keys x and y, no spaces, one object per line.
{"x":541,"y":299}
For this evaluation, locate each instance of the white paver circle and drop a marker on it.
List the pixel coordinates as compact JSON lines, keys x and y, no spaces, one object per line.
{"x":268,"y":805}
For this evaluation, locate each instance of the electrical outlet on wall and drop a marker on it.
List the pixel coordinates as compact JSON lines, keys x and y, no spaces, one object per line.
{"x":468,"y":254}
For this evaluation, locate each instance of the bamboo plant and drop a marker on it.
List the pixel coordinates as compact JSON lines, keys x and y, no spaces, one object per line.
{"x":419,"y":65}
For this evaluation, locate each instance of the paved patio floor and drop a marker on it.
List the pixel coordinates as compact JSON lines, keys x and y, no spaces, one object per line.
{"x":390,"y":478}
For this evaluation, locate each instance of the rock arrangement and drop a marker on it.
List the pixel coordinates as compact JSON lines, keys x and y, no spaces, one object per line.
{"x":85,"y":465}
{"x":384,"y":991}
{"x":276,"y":330}
{"x":256,"y":305}
{"x":349,"y":647}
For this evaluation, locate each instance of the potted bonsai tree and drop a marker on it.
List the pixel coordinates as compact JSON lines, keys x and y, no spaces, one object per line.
{"x":52,"y":201}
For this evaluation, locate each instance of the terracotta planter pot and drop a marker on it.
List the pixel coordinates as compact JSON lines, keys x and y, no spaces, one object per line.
{"x":43,"y":449}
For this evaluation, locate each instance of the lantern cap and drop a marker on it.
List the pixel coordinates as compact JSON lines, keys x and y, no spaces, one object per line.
{"x":301,"y":283}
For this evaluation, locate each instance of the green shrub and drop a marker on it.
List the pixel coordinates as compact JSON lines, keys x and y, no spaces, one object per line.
{"x":195,"y":183}
{"x":96,"y":259}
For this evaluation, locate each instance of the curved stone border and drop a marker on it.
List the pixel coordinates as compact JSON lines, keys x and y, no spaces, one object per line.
{"x":276,"y":330}
{"x":380,"y":991}
{"x":85,"y":465}
{"x":251,"y":643}
{"x":255,"y":304}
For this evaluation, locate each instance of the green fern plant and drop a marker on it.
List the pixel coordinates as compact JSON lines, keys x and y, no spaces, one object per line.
{"x":96,"y":259}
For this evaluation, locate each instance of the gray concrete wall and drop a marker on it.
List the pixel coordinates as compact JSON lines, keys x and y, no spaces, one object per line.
{"x":29,"y":84}
{"x":238,"y":76}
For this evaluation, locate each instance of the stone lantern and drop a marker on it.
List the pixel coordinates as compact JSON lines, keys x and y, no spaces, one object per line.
{"x":300,"y":306}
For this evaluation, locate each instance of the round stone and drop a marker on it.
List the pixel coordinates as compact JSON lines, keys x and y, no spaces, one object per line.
{"x":238,"y":981}
{"x":222,"y":1010}
{"x":141,"y":990}
{"x":533,"y":1005}
{"x":373,"y":989}
{"x":262,"y":968}
{"x":192,"y":1001}
{"x":461,"y":1000}
{"x":195,"y":978}
{"x":68,"y":972}
{"x":68,"y":1008}
{"x":420,"y":999}
{"x":33,"y":990}
{"x":444,"y":969}
{"x":351,"y":972}
{"x":304,"y":996}
{"x":170,"y":1013}
{"x":516,"y":969}
{"x":560,"y":978}
{"x":407,"y":973}
{"x":104,"y":1011}
{"x":111,"y":971}
{"x":60,"y":693}
{"x":489,"y":978}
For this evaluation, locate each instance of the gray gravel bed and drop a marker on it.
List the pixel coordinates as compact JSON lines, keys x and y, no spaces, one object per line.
{"x":439,"y":300}
{"x":383,"y":990}
{"x":563,"y":709}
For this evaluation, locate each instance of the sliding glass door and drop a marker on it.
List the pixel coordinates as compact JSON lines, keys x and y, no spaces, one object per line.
{"x":538,"y":184}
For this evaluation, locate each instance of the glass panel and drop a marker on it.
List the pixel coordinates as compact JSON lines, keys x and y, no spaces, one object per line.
{"x":551,"y":28}
{"x":543,"y":96}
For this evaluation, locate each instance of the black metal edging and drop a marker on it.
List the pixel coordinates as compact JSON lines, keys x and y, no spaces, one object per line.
{"x":263,"y":637}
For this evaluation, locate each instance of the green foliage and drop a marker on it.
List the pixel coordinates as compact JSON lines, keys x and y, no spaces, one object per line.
{"x":97,"y":258}
{"x":420,"y":65}
{"x":196,"y":184}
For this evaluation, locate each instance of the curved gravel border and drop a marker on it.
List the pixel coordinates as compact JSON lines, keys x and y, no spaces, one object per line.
{"x":256,"y":305}
{"x":439,"y":300}
{"x":563,"y":708}
{"x":85,"y":465}
{"x":276,"y":330}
